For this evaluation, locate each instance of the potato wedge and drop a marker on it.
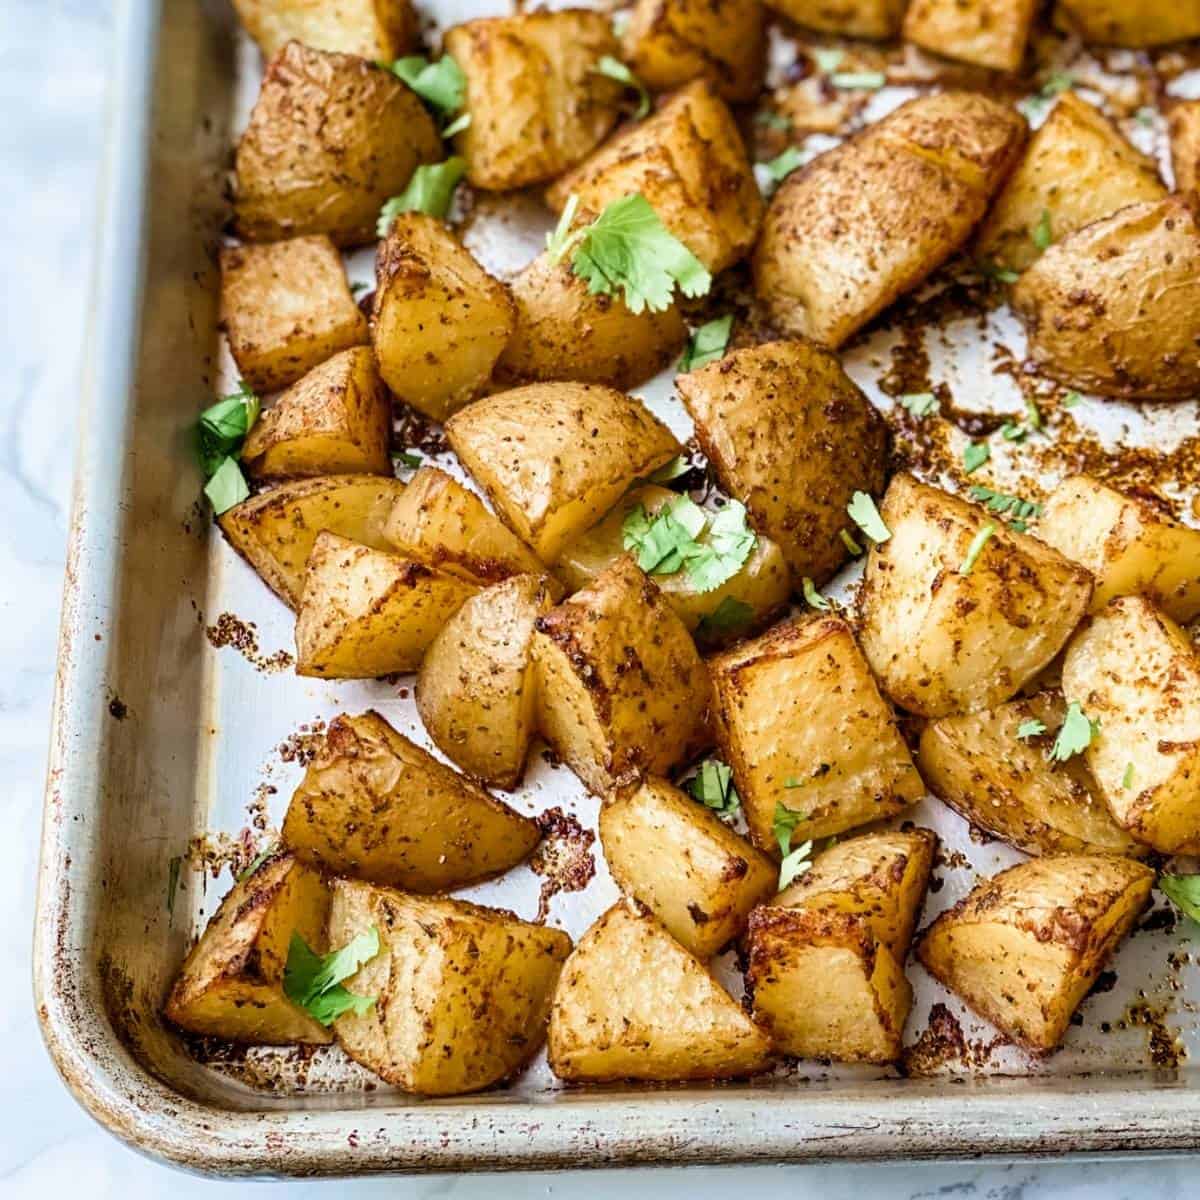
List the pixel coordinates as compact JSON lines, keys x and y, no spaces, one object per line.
{"x":1183,"y":126}
{"x":852,"y":18}
{"x":462,"y":992}
{"x":1024,"y":947}
{"x":988,"y":33}
{"x":375,"y":806}
{"x":372,"y":29}
{"x":1130,"y":22}
{"x":632,"y":1003}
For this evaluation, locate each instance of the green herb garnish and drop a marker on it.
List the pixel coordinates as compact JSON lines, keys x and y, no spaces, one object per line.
{"x":441,"y":84}
{"x":1042,"y":235}
{"x":1071,"y":399}
{"x":1076,"y":734}
{"x":773,"y":120}
{"x":861,"y":81}
{"x":1017,"y":511}
{"x":713,"y":786}
{"x":782,"y":165}
{"x":707,"y":343}
{"x":223,"y":428}
{"x":256,"y":862}
{"x":1030,"y":729}
{"x":1127,"y":778}
{"x":682,"y":536}
{"x":920,"y":404}
{"x":991,"y":270}
{"x":849,"y":542}
{"x":406,"y":458}
{"x":827,"y":58}
{"x":784,"y":825}
{"x":794,"y":864}
{"x":975,"y":549}
{"x":812,"y":597}
{"x":227,"y":487}
{"x":975,"y":454}
{"x":614,"y":69}
{"x":679,"y":465}
{"x":1184,"y":892}
{"x":430,"y":190}
{"x":314,"y":981}
{"x":865,"y":515}
{"x":729,"y":617}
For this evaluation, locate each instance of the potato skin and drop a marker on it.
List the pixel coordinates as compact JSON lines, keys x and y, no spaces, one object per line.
{"x":1183,"y":126}
{"x":852,"y":18}
{"x":1130,"y":22}
{"x":988,"y":33}
{"x":372,"y":29}
{"x":330,"y":139}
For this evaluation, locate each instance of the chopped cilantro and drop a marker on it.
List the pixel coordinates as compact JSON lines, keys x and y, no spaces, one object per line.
{"x":920,"y":404}
{"x":679,"y":465}
{"x":813,"y":598}
{"x":430,"y":190}
{"x":1145,"y":116}
{"x":1042,"y":235}
{"x":1004,"y":504}
{"x":991,"y":270}
{"x":1184,"y":892}
{"x":975,"y":454}
{"x":314,"y":981}
{"x":1033,"y":414}
{"x":461,"y":122}
{"x":975,"y":549}
{"x":1012,"y":432}
{"x":614,"y":69}
{"x":827,"y":58}
{"x":256,"y":862}
{"x":782,"y":165}
{"x":1071,"y":399}
{"x":865,"y":515}
{"x":730,"y":616}
{"x":773,"y":120}
{"x":784,"y":825}
{"x":406,"y":458}
{"x":227,"y":487}
{"x":223,"y":428}
{"x":1076,"y":734}
{"x":1127,"y":778}
{"x":682,"y":536}
{"x":861,"y":81}
{"x":794,"y":864}
{"x":1057,"y":83}
{"x":441,"y":84}
{"x":1030,"y":729}
{"x":707,"y":343}
{"x":713,"y":786}
{"x":849,"y":542}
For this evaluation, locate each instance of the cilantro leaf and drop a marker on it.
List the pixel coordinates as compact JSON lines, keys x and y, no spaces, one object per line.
{"x":256,"y":862}
{"x":784,"y":825}
{"x":1056,"y":84}
{"x":613,"y":68}
{"x":1042,"y":235}
{"x":773,"y":120}
{"x":727,"y":545}
{"x":227,"y":487}
{"x":679,"y":465}
{"x":441,"y":84}
{"x":812,"y":597}
{"x":794,"y":865}
{"x":461,"y":122}
{"x":713,"y":786}
{"x":865,"y":515}
{"x":827,"y":58}
{"x":223,"y":427}
{"x":681,"y":536}
{"x":731,"y":616}
{"x":782,"y":165}
{"x":1076,"y":734}
{"x":862,"y":81}
{"x":920,"y":404}
{"x":975,"y":549}
{"x":999,"y":274}
{"x":1006,"y":505}
{"x":1184,"y":892}
{"x":707,"y":343}
{"x":1127,"y":778}
{"x":849,"y":542}
{"x":430,"y":190}
{"x":975,"y":454}
{"x":1012,"y":432}
{"x":358,"y":287}
{"x":406,"y":458}
{"x":1071,"y":399}
{"x":313,"y":981}
{"x":1030,"y":729}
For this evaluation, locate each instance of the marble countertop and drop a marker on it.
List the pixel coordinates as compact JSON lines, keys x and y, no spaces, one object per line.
{"x":53,"y":88}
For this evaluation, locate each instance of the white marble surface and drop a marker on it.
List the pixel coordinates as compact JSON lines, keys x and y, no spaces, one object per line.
{"x":52,"y":93}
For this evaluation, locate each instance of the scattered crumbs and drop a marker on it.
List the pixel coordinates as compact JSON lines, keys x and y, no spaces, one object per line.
{"x":231,"y":630}
{"x":303,"y":745}
{"x":258,"y":809}
{"x":954,"y":860}
{"x":942,"y":1044}
{"x":403,"y":693}
{"x":980,"y":837}
{"x":415,"y":431}
{"x":212,"y":852}
{"x":1166,"y":1049}
{"x":564,"y":858}
{"x":118,"y":708}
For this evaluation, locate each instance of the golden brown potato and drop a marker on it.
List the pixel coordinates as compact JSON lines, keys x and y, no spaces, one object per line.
{"x":1183,"y":125}
{"x":537,"y":103}
{"x":461,"y":992}
{"x":632,"y":1003}
{"x":377,"y":807}
{"x":365,"y":613}
{"x":852,"y":18}
{"x":621,"y":690}
{"x":804,"y":728}
{"x":791,"y":436}
{"x":1024,"y":947}
{"x":439,"y":321}
{"x":687,"y":159}
{"x":286,"y":307}
{"x":336,"y":420}
{"x":988,"y":33}
{"x":275,"y":530}
{"x":1130,"y":545}
{"x":1078,"y":168}
{"x":1137,"y":673}
{"x":698,"y":877}
{"x":1115,"y":308}
{"x":955,"y":619}
{"x":476,"y":688}
{"x":1130,"y":22}
{"x":372,"y":29}
{"x":231,"y":983}
{"x":1008,"y":786}
{"x":330,"y":139}
{"x":555,"y":457}
{"x":870,"y":219}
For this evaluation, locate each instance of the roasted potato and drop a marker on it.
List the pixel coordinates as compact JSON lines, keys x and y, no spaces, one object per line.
{"x":439,"y":320}
{"x":330,"y":139}
{"x":791,"y":436}
{"x":275,"y":530}
{"x":336,"y":420}
{"x":687,"y":159}
{"x":231,"y":983}
{"x":1136,"y":672}
{"x":1130,"y":22}
{"x":365,"y":613}
{"x":852,"y":18}
{"x":1115,"y":308}
{"x":873,"y":217}
{"x":286,"y":307}
{"x":1024,"y":947}
{"x":1183,"y":125}
{"x":537,"y":103}
{"x":377,"y":807}
{"x":988,"y":33}
{"x":632,"y":1003}
{"x":955,"y":619}
{"x":555,"y":457}
{"x":461,"y":992}
{"x":372,"y":29}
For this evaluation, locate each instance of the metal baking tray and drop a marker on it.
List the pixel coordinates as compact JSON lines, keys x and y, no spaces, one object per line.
{"x":177,"y":739}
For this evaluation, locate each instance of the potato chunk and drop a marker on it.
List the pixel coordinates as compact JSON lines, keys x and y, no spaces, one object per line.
{"x":555,"y":457}
{"x":852,"y":18}
{"x":948,"y":630}
{"x":1137,"y":673}
{"x":286,"y":307}
{"x":440,"y":320}
{"x":372,"y":29}
{"x":1183,"y":125}
{"x":1130,"y":22}
{"x":336,"y":420}
{"x":537,"y":103}
{"x":621,"y":688}
{"x":988,"y":33}
{"x":698,"y":877}
{"x":873,"y":217}
{"x":462,"y":992}
{"x":231,"y":983}
{"x":688,"y":160}
{"x":632,"y":1003}
{"x":376,"y":806}
{"x":1024,"y":947}
{"x":330,"y":139}
{"x":804,"y":728}
{"x":791,"y":436}
{"x":1078,"y":168}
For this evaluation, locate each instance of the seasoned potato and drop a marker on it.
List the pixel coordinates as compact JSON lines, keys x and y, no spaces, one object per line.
{"x":988,"y":33}
{"x":365,"y":613}
{"x":1131,"y":22}
{"x":942,"y":639}
{"x":1130,"y":546}
{"x":373,"y":29}
{"x":537,"y":103}
{"x":853,"y":18}
{"x":803,"y":727}
{"x":330,"y":139}
{"x":621,"y":690}
{"x":688,"y":160}
{"x":476,"y":688}
{"x":791,"y":436}
{"x":1115,"y":308}
{"x":439,"y":321}
{"x":275,"y":530}
{"x":231,"y":983}
{"x":669,"y":42}
{"x":1137,"y":673}
{"x":698,"y":877}
{"x":632,"y":1003}
{"x":377,"y":807}
{"x":461,"y":992}
{"x":873,"y":217}
{"x":1024,"y":947}
{"x":1078,"y":168}
{"x":1008,"y":786}
{"x":286,"y":307}
{"x":1183,"y":125}
{"x":555,"y":457}
{"x":336,"y":420}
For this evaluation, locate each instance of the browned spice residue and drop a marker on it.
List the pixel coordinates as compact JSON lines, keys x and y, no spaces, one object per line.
{"x":942,"y":1043}
{"x":1166,"y":1050}
{"x":231,"y":630}
{"x":564,"y":858}
{"x":303,"y":745}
